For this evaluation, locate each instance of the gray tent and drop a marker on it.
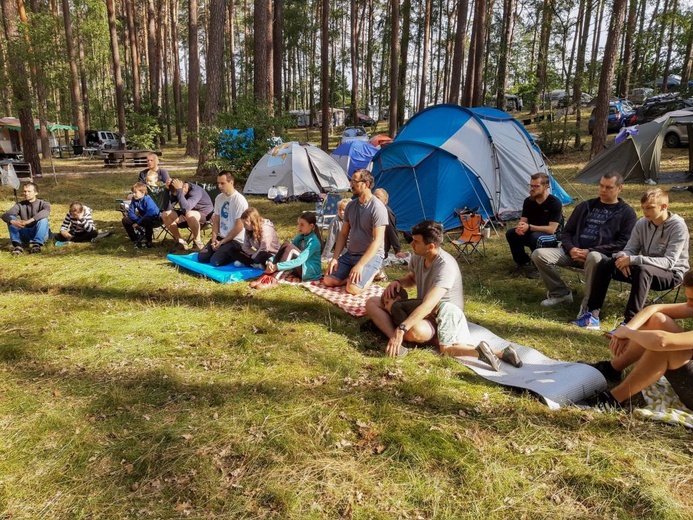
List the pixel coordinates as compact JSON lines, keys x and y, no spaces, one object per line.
{"x":300,"y":167}
{"x":637,"y":157}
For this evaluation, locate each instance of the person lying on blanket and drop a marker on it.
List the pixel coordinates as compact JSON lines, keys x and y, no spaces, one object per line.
{"x":437,"y":311}
{"x":657,"y":346}
{"x":301,"y":256}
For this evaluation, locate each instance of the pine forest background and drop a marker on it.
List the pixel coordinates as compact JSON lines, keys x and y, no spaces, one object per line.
{"x":171,"y":71}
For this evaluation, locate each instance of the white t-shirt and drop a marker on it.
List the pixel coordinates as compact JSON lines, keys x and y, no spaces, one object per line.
{"x":229,"y":209}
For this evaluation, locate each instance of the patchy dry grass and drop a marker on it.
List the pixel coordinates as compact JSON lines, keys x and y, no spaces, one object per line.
{"x":129,"y":389}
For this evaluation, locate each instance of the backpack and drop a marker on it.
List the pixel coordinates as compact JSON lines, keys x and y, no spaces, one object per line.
{"x":309,"y":196}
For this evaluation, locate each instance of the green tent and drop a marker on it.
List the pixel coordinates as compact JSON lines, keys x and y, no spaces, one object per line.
{"x":637,"y":157}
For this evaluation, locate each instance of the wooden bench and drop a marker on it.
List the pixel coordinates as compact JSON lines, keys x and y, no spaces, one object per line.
{"x":126,"y":158}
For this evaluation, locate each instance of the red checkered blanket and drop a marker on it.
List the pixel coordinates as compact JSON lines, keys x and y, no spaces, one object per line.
{"x":349,"y":303}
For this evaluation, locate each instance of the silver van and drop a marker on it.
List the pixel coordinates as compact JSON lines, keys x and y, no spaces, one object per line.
{"x":102,"y":139}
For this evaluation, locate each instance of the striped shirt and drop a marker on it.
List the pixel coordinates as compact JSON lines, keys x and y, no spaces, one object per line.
{"x":75,"y":226}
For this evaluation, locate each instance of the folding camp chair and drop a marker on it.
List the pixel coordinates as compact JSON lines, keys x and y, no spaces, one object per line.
{"x":468,"y":242}
{"x":326,"y":209}
{"x":658,"y":296}
{"x":158,"y":194}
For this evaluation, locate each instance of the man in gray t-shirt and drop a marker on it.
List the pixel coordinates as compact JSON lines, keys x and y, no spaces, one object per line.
{"x":363,"y":234}
{"x":437,"y":311}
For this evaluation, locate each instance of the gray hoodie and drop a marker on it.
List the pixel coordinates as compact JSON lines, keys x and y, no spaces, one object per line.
{"x":664,"y":246}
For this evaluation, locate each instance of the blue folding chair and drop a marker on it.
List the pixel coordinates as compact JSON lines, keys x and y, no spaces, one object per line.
{"x":326,"y":209}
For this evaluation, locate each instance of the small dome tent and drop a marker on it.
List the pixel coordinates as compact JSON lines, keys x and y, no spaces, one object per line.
{"x":301,"y":167}
{"x":353,"y":155}
{"x":448,"y":157}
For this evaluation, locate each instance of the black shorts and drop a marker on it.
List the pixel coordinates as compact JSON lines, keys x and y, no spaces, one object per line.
{"x":681,"y":380}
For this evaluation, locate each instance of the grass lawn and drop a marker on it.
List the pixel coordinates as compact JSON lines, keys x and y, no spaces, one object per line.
{"x":129,"y":389}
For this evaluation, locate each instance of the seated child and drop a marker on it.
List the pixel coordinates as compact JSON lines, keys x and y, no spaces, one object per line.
{"x":333,"y":230}
{"x":78,"y":225}
{"x":142,"y":214}
{"x":260,"y":242}
{"x":301,"y":256}
{"x":451,"y":329}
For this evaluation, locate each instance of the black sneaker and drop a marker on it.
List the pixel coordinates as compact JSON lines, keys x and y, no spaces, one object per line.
{"x":34,"y":249}
{"x":17,"y":250}
{"x":608,"y":371}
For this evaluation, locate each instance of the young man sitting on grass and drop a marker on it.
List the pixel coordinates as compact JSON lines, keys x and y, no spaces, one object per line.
{"x":657,"y":346}
{"x":437,"y":313}
{"x":27,"y":221}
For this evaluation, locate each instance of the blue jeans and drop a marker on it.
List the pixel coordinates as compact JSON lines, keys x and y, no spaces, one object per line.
{"x":34,"y":234}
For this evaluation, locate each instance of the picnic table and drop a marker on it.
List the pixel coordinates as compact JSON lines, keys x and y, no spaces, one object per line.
{"x":126,"y":158}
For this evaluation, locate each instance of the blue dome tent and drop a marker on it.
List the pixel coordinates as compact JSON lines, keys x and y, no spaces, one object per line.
{"x":448,"y":157}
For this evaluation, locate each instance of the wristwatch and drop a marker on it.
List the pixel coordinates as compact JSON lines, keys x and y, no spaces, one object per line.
{"x":403,"y":328}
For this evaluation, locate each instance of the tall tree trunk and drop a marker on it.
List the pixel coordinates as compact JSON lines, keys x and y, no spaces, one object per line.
{"x":75,"y":90}
{"x":232,"y":54}
{"x":215,"y":72}
{"x":134,"y":50}
{"x":626,"y":66}
{"x":542,"y":57}
{"x":403,"y":62}
{"x":670,"y":45}
{"x":505,"y":44}
{"x":19,"y":79}
{"x":261,"y":26}
{"x":426,"y":46}
{"x":83,"y":82}
{"x":324,"y":74}
{"x":584,"y":27}
{"x":394,"y":61}
{"x":606,"y":78}
{"x":165,"y":38}
{"x":37,"y":79}
{"x":177,"y":95}
{"x":458,"y":61}
{"x":192,"y":147}
{"x":278,"y":52}
{"x":4,"y":81}
{"x":153,"y":57}
{"x":596,"y":40}
{"x":353,"y":54}
{"x":661,"y":27}
{"x":118,"y":77}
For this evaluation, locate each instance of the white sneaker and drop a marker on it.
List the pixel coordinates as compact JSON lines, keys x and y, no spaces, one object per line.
{"x":551,"y":301}
{"x":237,"y":263}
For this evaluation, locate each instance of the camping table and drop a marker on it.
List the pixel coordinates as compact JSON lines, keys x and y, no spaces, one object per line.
{"x":123,"y":158}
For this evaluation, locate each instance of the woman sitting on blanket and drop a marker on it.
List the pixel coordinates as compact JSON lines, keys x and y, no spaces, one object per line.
{"x":301,"y":256}
{"x":260,"y":242}
{"x":658,"y":346}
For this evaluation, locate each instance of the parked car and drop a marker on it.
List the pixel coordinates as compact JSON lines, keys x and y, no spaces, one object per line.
{"x":102,"y":139}
{"x":619,"y":113}
{"x":355,"y":133}
{"x":567,"y":99}
{"x":639,"y":95}
{"x":657,"y":106}
{"x":677,"y":135}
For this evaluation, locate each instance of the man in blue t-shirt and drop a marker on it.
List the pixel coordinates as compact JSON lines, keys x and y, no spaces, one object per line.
{"x":596,"y":229}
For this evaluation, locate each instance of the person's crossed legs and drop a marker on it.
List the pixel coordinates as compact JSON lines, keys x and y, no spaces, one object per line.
{"x":343,"y":275}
